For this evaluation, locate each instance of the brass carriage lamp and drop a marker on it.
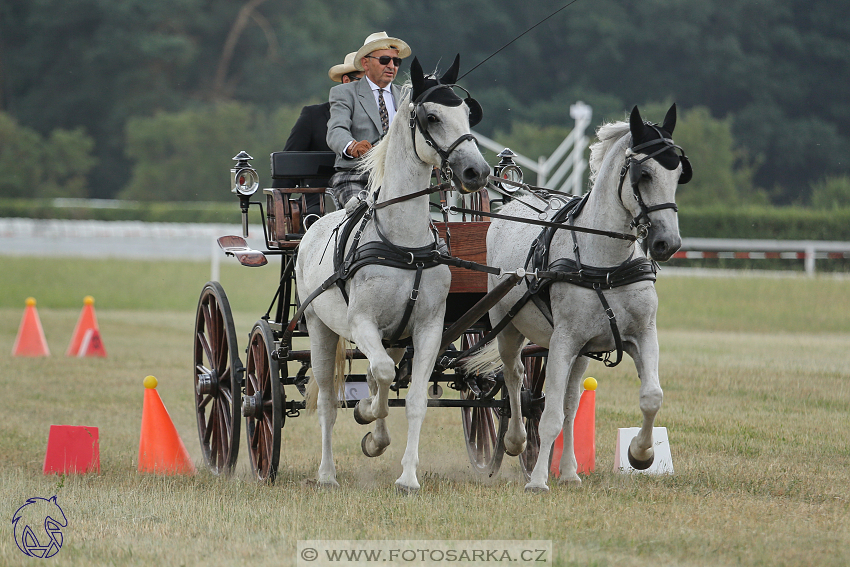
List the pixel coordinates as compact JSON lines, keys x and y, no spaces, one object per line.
{"x":244,"y":181}
{"x":508,"y":170}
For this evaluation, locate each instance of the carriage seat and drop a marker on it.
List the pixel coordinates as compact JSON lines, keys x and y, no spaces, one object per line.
{"x":293,"y":177}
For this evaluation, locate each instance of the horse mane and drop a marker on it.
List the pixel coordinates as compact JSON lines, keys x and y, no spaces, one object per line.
{"x":608,"y":135}
{"x":374,"y":162}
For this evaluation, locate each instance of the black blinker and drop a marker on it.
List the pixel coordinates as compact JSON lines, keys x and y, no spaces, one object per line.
{"x":476,"y":113}
{"x":687,"y":170}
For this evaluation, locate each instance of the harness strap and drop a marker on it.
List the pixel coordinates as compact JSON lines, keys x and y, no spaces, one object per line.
{"x":618,"y":342}
{"x":411,"y":301}
{"x":619,"y":235}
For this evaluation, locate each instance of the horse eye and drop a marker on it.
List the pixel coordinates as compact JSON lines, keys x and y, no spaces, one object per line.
{"x":433,"y":119}
{"x":645,"y":175}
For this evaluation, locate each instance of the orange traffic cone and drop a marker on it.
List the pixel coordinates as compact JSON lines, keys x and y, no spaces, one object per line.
{"x":160,"y":448}
{"x":87,"y":322}
{"x":30,"y":340}
{"x":584,"y":433}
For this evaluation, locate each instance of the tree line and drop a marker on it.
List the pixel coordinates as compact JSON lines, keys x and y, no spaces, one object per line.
{"x":116,"y":98}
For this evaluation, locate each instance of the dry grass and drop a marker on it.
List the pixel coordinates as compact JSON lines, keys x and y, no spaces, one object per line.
{"x":757,"y":418}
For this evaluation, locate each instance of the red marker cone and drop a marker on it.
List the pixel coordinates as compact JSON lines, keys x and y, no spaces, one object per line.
{"x":87,"y":322}
{"x":30,"y":340}
{"x":92,"y":345}
{"x":72,"y":449}
{"x":160,"y":448}
{"x":584,"y":433}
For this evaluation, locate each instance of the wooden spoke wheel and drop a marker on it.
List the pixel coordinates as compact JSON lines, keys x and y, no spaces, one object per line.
{"x":483,"y":427}
{"x":532,"y":408}
{"x":218,"y":380}
{"x":262,"y":405}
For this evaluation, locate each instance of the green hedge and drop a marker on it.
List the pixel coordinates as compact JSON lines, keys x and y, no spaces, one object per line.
{"x":766,"y":223}
{"x":762,"y":222}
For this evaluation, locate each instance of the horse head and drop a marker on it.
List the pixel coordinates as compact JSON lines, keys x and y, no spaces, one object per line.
{"x":440,"y":122}
{"x":655,"y":166}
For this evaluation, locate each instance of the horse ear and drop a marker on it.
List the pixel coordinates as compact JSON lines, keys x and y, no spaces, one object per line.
{"x":636,"y":124}
{"x":450,"y":77}
{"x":417,"y":78}
{"x":670,"y":120}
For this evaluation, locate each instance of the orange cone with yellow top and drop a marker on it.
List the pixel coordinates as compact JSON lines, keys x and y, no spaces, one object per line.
{"x":160,"y":448}
{"x":86,"y":339}
{"x":584,"y":433}
{"x":30,"y":340}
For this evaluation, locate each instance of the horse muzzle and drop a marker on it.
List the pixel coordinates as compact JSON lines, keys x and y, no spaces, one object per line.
{"x":471,"y":177}
{"x":661,"y":247}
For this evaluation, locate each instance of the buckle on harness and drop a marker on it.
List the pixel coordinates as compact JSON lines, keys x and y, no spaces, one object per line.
{"x":414,"y":294}
{"x":610,"y":313}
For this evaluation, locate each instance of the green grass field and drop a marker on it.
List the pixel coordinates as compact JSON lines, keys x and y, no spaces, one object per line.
{"x":756,"y":374}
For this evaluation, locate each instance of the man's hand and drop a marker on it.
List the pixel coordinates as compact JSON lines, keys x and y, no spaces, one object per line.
{"x":357,"y":149}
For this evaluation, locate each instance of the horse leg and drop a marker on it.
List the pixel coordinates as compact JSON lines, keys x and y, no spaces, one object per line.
{"x":562,"y":357}
{"x":323,"y":343}
{"x":510,"y":342}
{"x":645,"y":355}
{"x":381,"y":367}
{"x":376,"y":442}
{"x":426,"y":343}
{"x":569,"y":465}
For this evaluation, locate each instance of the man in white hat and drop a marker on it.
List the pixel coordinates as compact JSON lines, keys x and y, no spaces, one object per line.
{"x":361,"y":112}
{"x":311,"y":129}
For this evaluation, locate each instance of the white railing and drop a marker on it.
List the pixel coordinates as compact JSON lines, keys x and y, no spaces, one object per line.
{"x":807,"y":250}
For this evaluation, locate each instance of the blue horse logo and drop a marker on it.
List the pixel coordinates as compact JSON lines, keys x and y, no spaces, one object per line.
{"x":38,"y":527}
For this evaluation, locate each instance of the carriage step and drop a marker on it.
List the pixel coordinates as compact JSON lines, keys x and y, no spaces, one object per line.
{"x":238,"y":247}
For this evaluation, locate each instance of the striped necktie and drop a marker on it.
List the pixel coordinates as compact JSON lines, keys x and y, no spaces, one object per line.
{"x":382,"y":110}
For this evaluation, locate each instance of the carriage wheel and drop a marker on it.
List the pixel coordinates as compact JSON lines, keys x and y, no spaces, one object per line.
{"x":533,"y":402}
{"x":262,"y":405}
{"x":483,"y":427}
{"x":218,"y":380}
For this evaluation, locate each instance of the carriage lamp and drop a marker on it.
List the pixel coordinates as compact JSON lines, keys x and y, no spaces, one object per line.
{"x":508,"y":169}
{"x":244,"y":181}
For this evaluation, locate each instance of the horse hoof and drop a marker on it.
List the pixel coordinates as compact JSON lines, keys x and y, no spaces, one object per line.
{"x":511,"y":453}
{"x":640,"y":465}
{"x":327,"y":485}
{"x":358,"y":417}
{"x":365,"y":451}
{"x":536,"y":489}
{"x":570,"y":482}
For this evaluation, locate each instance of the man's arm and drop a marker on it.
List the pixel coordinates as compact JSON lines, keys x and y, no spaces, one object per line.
{"x":339,"y":126}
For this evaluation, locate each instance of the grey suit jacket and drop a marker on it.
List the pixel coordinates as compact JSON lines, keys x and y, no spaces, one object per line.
{"x":354,"y":117}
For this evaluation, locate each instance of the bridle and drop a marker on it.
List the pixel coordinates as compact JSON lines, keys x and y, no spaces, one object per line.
{"x":634,"y":167}
{"x":419,"y":120}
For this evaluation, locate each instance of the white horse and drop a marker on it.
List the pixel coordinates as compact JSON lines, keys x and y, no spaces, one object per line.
{"x":432,"y":128}
{"x":579,"y":321}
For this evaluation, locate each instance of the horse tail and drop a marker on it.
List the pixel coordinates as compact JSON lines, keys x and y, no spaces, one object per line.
{"x":339,"y":369}
{"x":339,"y":377}
{"x":485,"y":360}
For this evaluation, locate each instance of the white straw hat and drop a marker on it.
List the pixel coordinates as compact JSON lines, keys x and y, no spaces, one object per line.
{"x":380,"y":40}
{"x":337,"y":71}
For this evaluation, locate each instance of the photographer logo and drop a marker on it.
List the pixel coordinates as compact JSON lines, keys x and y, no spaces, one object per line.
{"x":38,"y":527}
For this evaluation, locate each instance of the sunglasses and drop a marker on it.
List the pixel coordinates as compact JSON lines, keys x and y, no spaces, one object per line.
{"x":385,"y":60}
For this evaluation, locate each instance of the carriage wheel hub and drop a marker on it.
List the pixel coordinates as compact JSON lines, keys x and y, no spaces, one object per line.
{"x":252,"y":406}
{"x":207,"y":383}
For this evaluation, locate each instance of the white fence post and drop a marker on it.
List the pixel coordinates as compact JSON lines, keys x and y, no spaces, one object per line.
{"x":810,"y":261}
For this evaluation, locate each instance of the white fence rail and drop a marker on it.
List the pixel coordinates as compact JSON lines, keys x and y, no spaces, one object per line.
{"x":807,"y":250}
{"x":134,"y":239}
